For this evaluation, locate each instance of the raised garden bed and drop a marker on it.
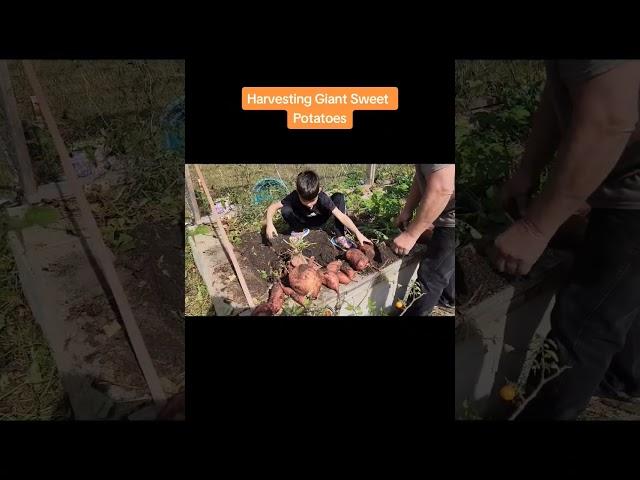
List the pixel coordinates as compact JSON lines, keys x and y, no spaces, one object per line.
{"x":386,"y":278}
{"x":498,"y":330}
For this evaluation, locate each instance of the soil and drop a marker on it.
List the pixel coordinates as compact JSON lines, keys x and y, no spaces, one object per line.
{"x":439,"y":311}
{"x":152,"y":279}
{"x":480,"y":279}
{"x":604,"y":409}
{"x":158,"y":261}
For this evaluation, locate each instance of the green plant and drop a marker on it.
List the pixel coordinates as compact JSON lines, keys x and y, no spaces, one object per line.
{"x":489,"y":139}
{"x":376,"y":213}
{"x":293,"y":309}
{"x":200,"y":230}
{"x":547,"y":365}
{"x":298,"y":245}
{"x":36,"y":215}
{"x":469,"y":412}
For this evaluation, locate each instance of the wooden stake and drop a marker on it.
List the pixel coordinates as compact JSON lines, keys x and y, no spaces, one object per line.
{"x":92,"y":235}
{"x":222,"y":235}
{"x":17,"y":134}
{"x":371,"y":174}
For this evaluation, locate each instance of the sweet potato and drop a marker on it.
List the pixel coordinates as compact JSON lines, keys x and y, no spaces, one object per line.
{"x":263,"y":310}
{"x":343,"y":278}
{"x":369,"y":250}
{"x":348,"y":271}
{"x":296,"y":296}
{"x":276,"y":297}
{"x":331,"y":281}
{"x":297,"y":260}
{"x":305,"y":280}
{"x":357,"y":259}
{"x":334,"y":266}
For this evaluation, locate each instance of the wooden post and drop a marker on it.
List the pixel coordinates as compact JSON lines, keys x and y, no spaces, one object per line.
{"x":94,"y":239}
{"x":191,"y":195}
{"x":371,"y":174}
{"x":222,"y":235}
{"x":25,"y":171}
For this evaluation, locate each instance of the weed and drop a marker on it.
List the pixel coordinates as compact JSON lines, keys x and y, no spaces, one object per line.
{"x":297,"y":245}
{"x":197,"y":299}
{"x":35,"y":215}
{"x":200,"y":230}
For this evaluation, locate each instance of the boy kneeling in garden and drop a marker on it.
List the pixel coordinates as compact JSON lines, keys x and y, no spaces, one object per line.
{"x":307,"y":207}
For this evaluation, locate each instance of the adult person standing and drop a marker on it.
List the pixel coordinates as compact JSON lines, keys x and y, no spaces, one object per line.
{"x":432,"y":197}
{"x":588,"y":117}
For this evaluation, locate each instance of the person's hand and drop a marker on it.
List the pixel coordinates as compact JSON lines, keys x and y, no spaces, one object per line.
{"x":516,"y":193}
{"x":518,"y":248}
{"x":403,"y":243}
{"x":362,"y":240}
{"x":271,"y":232}
{"x":402,"y":220}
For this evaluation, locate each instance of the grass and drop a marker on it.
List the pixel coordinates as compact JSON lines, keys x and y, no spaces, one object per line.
{"x":29,"y":384}
{"x":200,"y":230}
{"x":116,"y":105}
{"x":197,"y":300}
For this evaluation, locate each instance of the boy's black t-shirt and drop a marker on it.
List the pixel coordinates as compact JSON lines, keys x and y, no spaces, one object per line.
{"x":323,"y":207}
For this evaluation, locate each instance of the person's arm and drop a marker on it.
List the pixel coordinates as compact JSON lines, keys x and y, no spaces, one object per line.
{"x":347,"y":222}
{"x":439,"y":188}
{"x":271,"y":210}
{"x":605,"y":115}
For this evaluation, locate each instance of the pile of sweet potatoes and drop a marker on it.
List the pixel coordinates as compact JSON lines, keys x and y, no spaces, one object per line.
{"x":304,"y":278}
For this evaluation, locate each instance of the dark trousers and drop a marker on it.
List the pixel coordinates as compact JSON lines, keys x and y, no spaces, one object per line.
{"x":436,"y":273}
{"x":596,"y":318}
{"x":300,"y":222}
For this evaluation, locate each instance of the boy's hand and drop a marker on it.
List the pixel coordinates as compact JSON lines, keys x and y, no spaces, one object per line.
{"x":362,"y":240}
{"x":271,"y":232}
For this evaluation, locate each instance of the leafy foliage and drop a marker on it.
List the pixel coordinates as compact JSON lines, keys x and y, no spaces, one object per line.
{"x":489,"y":139}
{"x":377,"y":212}
{"x":488,"y":142}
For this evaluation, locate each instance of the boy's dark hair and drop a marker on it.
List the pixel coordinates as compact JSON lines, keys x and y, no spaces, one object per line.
{"x":308,"y":185}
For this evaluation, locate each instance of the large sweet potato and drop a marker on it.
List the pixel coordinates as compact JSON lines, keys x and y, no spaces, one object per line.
{"x":357,"y":259}
{"x":343,"y":278}
{"x":305,"y":280}
{"x":334,"y":266}
{"x":348,"y":271}
{"x":368,"y":250}
{"x":331,"y":281}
